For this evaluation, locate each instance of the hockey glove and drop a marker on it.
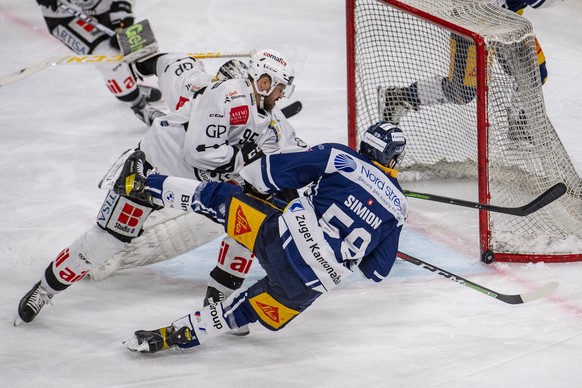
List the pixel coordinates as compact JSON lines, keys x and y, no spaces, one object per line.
{"x":120,"y":17}
{"x":52,"y":4}
{"x":250,"y":152}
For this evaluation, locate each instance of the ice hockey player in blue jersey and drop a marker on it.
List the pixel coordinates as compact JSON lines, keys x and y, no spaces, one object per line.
{"x":349,"y":220}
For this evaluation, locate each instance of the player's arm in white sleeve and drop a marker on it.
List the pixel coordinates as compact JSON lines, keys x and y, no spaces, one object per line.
{"x":290,"y":142}
{"x":179,"y":77}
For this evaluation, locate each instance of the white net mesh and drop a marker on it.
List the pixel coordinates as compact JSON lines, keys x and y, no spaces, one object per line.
{"x":426,"y":70}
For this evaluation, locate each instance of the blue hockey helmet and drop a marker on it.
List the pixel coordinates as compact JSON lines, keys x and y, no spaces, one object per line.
{"x":383,"y":142}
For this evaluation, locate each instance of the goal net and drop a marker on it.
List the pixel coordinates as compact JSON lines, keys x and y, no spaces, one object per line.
{"x":461,"y":78}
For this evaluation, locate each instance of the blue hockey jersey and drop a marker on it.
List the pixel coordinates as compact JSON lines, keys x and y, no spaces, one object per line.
{"x":351,"y":217}
{"x":519,"y":5}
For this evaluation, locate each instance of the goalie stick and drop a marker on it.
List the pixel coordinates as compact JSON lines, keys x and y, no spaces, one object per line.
{"x":544,"y":199}
{"x":511,"y":299}
{"x":93,"y":59}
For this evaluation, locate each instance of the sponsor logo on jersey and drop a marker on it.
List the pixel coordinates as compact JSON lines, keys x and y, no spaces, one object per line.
{"x":169,"y":196}
{"x":215,"y":131}
{"x":362,"y":211}
{"x":113,"y":86}
{"x":344,"y":163}
{"x":64,"y":255}
{"x":314,"y":249}
{"x":181,"y":101}
{"x":241,"y":223}
{"x":67,"y":274}
{"x":72,"y":41}
{"x":70,"y":276}
{"x":238,"y":264}
{"x":274,"y":127}
{"x":106,"y":208}
{"x":239,"y":115}
{"x":271,"y":312}
{"x":296,"y":207}
{"x":135,"y":40}
{"x":185,"y":201}
{"x":376,"y":180}
{"x":215,"y":318}
{"x":128,"y":219}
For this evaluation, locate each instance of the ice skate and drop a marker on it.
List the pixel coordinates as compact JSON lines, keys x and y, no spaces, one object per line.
{"x":31,"y":304}
{"x":165,"y":338}
{"x":131,"y":180}
{"x":145,"y":111}
{"x":150,"y":93}
{"x":393,"y":104}
{"x":517,"y":125}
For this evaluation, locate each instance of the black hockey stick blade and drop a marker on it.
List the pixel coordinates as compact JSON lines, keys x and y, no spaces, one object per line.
{"x":292,"y":109}
{"x":544,"y":199}
{"x":549,"y":196}
{"x":510,"y":299}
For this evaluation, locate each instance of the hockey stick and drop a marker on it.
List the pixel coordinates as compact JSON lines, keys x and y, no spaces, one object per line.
{"x":292,"y":109}
{"x":544,"y":199}
{"x":93,"y":59}
{"x":511,"y":299}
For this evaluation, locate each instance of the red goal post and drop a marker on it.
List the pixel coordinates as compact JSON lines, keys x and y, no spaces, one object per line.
{"x":487,"y":123}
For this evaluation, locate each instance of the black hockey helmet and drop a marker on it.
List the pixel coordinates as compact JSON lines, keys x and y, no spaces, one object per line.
{"x":383,"y":142}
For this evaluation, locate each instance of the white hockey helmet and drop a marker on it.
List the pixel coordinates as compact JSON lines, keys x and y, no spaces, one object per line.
{"x":273,"y":64}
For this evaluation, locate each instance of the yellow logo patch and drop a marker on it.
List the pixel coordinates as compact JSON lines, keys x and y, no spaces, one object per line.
{"x":270,"y":311}
{"x":244,"y":222}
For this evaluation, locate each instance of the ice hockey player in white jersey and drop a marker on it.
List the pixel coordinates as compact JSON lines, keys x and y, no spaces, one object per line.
{"x":350,"y":220}
{"x":210,"y":138}
{"x":85,"y":39}
{"x":395,"y":102}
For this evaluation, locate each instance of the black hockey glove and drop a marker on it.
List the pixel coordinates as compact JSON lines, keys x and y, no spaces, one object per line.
{"x":52,"y":4}
{"x":120,"y":8}
{"x":250,"y":152}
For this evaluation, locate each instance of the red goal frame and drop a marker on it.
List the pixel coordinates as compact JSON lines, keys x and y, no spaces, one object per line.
{"x":482,"y":122}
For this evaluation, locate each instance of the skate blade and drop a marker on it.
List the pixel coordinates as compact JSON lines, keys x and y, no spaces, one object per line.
{"x":134,"y":345}
{"x":241,"y":331}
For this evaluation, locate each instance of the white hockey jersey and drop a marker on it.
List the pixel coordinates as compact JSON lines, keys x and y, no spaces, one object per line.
{"x":200,"y":139}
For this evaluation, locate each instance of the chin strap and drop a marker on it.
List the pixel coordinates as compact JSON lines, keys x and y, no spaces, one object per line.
{"x":390,"y":171}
